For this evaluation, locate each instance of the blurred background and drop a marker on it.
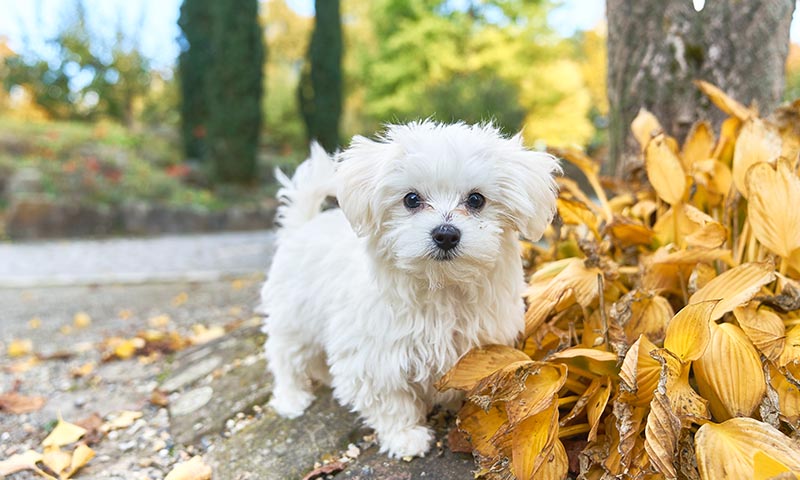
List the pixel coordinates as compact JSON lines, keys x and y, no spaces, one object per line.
{"x":160,"y":116}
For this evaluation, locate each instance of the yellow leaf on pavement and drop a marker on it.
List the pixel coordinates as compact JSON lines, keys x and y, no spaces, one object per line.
{"x":81,"y":320}
{"x":63,"y":434}
{"x":193,"y":469}
{"x":20,"y":462}
{"x":20,"y":348}
{"x":80,"y":457}
{"x":56,"y":459}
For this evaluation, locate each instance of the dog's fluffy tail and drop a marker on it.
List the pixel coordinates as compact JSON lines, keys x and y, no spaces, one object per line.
{"x":302,"y":195}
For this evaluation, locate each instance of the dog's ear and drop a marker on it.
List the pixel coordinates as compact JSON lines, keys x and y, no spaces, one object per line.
{"x":359,"y":171}
{"x":529,"y":188}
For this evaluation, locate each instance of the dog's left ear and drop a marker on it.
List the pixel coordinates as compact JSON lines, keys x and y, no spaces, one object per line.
{"x":358,"y":173}
{"x":530,"y":188}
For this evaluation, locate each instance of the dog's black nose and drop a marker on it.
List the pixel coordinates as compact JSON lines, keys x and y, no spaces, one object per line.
{"x":446,"y":236}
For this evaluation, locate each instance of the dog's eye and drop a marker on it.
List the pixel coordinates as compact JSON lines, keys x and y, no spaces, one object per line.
{"x":475,"y":201}
{"x":412,"y":201}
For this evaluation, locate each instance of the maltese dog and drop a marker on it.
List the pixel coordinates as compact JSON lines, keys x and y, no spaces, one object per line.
{"x":421,"y":263}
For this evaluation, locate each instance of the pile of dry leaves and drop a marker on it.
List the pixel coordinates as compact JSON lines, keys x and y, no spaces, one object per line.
{"x":610,"y":380}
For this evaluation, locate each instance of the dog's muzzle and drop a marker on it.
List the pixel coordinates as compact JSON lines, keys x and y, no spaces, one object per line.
{"x":446,"y":237}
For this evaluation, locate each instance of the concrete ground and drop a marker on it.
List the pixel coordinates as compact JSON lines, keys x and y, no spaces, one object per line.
{"x":66,"y":300}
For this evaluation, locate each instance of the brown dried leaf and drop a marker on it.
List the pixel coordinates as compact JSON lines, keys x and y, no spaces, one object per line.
{"x":735,"y":287}
{"x":661,"y":436}
{"x":477,"y":364}
{"x":16,"y":404}
{"x":731,"y":392}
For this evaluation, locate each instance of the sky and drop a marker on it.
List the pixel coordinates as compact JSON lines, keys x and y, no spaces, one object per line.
{"x":29,"y":23}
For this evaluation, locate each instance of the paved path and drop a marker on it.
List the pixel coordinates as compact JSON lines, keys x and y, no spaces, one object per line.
{"x":133,"y":261}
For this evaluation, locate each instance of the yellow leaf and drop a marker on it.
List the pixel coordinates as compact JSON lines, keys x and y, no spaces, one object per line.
{"x":729,"y":131}
{"x":63,"y":434}
{"x":123,"y":419}
{"x":587,"y":361}
{"x":532,"y":439}
{"x":481,"y":426}
{"x":764,"y":328}
{"x":540,"y":386}
{"x":757,"y":142}
{"x":193,"y":469}
{"x":766,"y":468}
{"x":707,"y":233}
{"x":640,"y":373}
{"x":773,"y":195}
{"x":698,"y":145}
{"x":575,"y":212}
{"x":644,"y":127}
{"x":788,"y":396}
{"x":685,"y":402}
{"x":597,"y":405}
{"x":83,"y":370}
{"x":664,"y":171}
{"x":81,"y":320}
{"x":505,"y":384}
{"x":202,"y":334}
{"x":661,"y":435}
{"x":20,"y":462}
{"x":477,"y":364}
{"x":159,"y":321}
{"x":735,"y":287}
{"x":34,"y":323}
{"x":688,"y":331}
{"x":19,"y":348}
{"x":724,"y":102}
{"x":731,"y":392}
{"x":56,"y":460}
{"x":628,"y":233}
{"x":554,"y":466}
{"x":791,"y":348}
{"x":180,"y":299}
{"x":728,"y":450}
{"x":80,"y":457}
{"x":650,"y":315}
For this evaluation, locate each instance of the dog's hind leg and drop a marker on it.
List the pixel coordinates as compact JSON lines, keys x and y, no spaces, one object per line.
{"x":289,"y":361}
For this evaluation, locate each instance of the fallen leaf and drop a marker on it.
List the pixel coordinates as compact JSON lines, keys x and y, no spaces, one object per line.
{"x":81,"y":320}
{"x":20,"y":462}
{"x":56,"y":459}
{"x":14,"y":403}
{"x":80,"y":457}
{"x":63,"y":434}
{"x":83,"y":370}
{"x":159,"y":398}
{"x":477,"y":364}
{"x":180,"y":299}
{"x":92,"y":424}
{"x":159,"y":321}
{"x":123,"y":419}
{"x":202,"y":334}
{"x":34,"y":323}
{"x":193,"y":469}
{"x":19,"y":348}
{"x":661,"y":435}
{"x":324,"y":470}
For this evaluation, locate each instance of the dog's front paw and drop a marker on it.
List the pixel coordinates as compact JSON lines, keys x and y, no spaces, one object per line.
{"x":410,"y":442}
{"x":291,"y":404}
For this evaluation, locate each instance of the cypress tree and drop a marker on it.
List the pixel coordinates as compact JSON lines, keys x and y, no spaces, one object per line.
{"x":235,"y":80}
{"x":320,"y":88}
{"x":193,"y":62}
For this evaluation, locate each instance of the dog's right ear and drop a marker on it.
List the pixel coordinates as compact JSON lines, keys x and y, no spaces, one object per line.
{"x":360,"y":168}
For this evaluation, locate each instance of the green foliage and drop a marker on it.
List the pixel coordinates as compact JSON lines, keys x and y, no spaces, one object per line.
{"x":320,"y":88}
{"x":119,"y":74}
{"x":235,"y":83}
{"x":193,"y":62}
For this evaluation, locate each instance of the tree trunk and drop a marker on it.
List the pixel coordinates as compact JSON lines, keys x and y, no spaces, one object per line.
{"x":657,"y":47}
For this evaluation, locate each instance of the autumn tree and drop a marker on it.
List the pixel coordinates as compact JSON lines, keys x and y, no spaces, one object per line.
{"x":320,"y":88}
{"x":656,"y":48}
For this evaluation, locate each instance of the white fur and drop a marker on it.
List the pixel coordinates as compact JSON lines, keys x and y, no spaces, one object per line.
{"x":354,"y":297}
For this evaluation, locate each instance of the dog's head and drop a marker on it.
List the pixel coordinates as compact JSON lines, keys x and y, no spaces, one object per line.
{"x":438,"y":200}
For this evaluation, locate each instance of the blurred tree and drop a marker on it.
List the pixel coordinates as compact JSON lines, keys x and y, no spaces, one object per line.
{"x":86,"y":78}
{"x":235,"y":87}
{"x":193,"y":63}
{"x":287,"y":35}
{"x":320,"y":88}
{"x":657,"y":47}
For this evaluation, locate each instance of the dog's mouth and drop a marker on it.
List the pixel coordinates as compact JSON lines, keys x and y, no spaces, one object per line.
{"x":444,"y":255}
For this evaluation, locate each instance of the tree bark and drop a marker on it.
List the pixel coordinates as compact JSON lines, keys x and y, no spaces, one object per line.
{"x":657,"y":47}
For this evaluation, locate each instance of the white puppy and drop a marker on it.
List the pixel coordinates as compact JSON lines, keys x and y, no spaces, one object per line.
{"x":421,"y":264}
